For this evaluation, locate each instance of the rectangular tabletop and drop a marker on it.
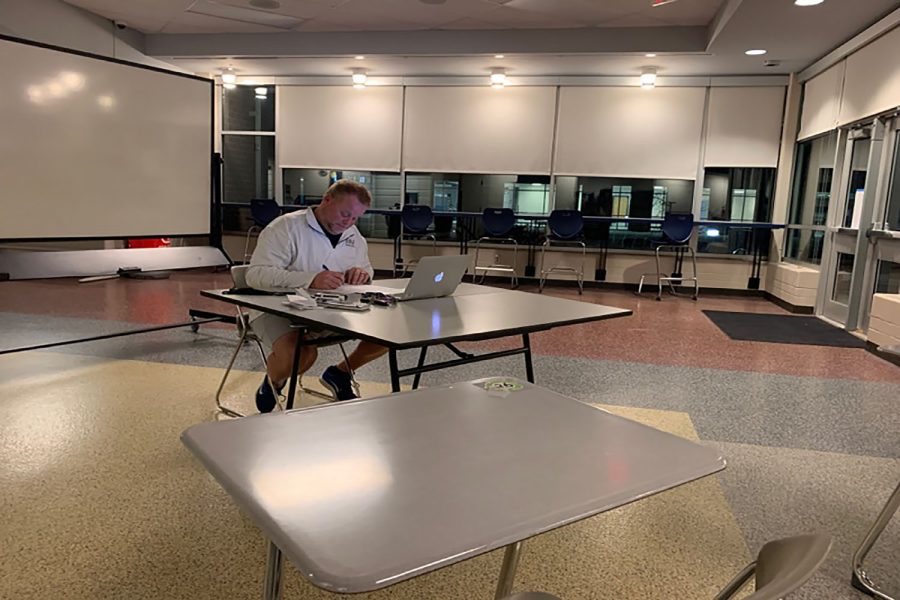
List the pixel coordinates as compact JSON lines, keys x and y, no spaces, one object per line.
{"x":473,"y":312}
{"x":360,"y":495}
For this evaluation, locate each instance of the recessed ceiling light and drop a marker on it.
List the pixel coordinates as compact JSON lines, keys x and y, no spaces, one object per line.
{"x":808,"y":2}
{"x":498,"y":78}
{"x":648,"y":78}
{"x":650,"y":55}
{"x":359,"y":57}
{"x":228,"y":77}
{"x":499,"y":56}
{"x":261,"y":91}
{"x":359,"y":77}
{"x":755,"y":52}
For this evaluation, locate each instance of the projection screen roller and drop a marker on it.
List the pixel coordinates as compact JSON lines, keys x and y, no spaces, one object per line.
{"x":92,"y":148}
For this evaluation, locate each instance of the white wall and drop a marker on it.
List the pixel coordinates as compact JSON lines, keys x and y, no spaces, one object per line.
{"x":60,"y":24}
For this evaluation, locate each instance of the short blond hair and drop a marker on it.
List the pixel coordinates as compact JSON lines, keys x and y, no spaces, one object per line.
{"x":349,"y":187}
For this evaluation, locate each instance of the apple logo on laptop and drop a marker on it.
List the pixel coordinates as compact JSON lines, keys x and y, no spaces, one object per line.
{"x":438,"y":277}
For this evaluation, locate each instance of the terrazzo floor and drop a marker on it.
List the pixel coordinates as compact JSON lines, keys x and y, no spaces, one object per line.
{"x":100,"y":499}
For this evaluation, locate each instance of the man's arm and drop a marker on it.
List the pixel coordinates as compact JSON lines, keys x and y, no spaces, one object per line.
{"x":363,"y":272}
{"x":273,"y":255}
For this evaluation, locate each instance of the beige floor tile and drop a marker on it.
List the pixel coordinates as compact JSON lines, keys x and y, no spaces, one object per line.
{"x":100,"y":500}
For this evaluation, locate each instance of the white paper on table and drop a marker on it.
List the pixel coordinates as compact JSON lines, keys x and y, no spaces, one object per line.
{"x":300,"y":300}
{"x":361,"y":289}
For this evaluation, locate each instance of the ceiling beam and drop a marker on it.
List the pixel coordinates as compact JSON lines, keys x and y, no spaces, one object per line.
{"x":435,"y":43}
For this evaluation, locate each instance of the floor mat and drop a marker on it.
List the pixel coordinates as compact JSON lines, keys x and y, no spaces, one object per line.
{"x":781,"y":329}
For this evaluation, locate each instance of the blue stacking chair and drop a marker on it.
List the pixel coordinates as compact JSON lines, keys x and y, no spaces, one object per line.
{"x":497,"y":224}
{"x":564,"y":228}
{"x":415,"y":219}
{"x":263,"y":211}
{"x":677,"y":229}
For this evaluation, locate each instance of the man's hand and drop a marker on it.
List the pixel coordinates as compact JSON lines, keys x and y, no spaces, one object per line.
{"x":327,"y":280}
{"x":356,"y":276}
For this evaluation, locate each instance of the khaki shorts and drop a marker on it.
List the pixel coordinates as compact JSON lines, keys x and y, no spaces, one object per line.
{"x":269,"y":328}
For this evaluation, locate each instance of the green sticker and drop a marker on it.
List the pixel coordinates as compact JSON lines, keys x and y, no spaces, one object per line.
{"x":502,"y":385}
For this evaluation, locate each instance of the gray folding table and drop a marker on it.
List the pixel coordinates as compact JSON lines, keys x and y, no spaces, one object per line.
{"x":473,"y":312}
{"x":364,"y":494}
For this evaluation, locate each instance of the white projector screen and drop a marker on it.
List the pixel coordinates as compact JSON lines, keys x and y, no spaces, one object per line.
{"x":92,"y":148}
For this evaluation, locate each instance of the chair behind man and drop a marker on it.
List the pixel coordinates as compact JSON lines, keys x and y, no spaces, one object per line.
{"x":781,"y":567}
{"x":263,"y":211}
{"x":564,"y":229}
{"x":415,"y":221}
{"x":497,"y":224}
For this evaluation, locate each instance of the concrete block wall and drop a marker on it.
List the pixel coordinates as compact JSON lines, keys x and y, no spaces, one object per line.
{"x":795,"y":284}
{"x":884,"y":320}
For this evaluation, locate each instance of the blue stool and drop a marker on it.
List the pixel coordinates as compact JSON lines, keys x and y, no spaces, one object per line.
{"x":565,"y":227}
{"x":415,"y":220}
{"x":677,"y":229}
{"x":497,"y":223}
{"x":263,"y":211}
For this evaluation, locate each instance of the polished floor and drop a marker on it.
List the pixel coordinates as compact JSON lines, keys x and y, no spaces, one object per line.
{"x":100,"y":500}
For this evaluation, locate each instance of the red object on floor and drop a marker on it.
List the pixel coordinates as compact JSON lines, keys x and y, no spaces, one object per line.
{"x":149,"y":243}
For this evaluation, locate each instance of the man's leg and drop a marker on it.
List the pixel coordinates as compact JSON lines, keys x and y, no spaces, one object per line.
{"x":281,"y":360}
{"x":364,"y":353}
{"x":337,"y":377}
{"x":279,"y":365}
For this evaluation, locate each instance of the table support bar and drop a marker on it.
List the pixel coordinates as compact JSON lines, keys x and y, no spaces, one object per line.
{"x":272,"y":590}
{"x":508,"y":570}
{"x":860,"y":578}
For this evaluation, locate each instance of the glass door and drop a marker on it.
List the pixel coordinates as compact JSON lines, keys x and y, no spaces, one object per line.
{"x":844,"y":226}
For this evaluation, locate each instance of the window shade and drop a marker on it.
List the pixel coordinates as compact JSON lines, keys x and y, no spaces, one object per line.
{"x":872,"y":80}
{"x":479,"y":130}
{"x":744,"y":126}
{"x":629,"y":132}
{"x":340,"y":127}
{"x":821,"y":101}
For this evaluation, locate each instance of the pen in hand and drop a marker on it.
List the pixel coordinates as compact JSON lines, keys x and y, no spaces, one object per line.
{"x":325,"y":267}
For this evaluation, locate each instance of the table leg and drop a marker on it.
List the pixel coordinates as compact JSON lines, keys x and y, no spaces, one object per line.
{"x":508,"y":570}
{"x":272,"y":590}
{"x":395,"y":376}
{"x":292,"y":387}
{"x":860,"y":578}
{"x":529,"y":367}
{"x":419,"y":365}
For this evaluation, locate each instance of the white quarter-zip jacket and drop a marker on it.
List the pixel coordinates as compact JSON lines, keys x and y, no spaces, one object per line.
{"x":293,"y":249}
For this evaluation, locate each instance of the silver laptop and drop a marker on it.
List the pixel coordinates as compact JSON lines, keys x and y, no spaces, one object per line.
{"x":435,"y":276}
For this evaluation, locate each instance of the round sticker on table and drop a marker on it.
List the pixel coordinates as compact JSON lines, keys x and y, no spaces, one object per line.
{"x":502,"y":385}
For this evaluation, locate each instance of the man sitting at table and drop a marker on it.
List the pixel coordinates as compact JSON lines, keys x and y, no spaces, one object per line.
{"x":318,"y":249}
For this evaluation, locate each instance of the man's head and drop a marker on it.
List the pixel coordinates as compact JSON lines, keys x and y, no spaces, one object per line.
{"x":343,"y":203}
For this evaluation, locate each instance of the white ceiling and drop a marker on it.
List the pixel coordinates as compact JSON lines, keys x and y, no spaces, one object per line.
{"x":175,"y":16}
{"x":460,"y":37}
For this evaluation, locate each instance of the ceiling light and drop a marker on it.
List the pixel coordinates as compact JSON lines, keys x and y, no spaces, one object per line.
{"x":648,"y":78}
{"x":260,"y":97}
{"x":261,"y":91}
{"x":808,"y":2}
{"x":650,"y":55}
{"x":499,"y":56}
{"x":755,"y":52}
{"x":229,"y":78}
{"x":359,"y":78}
{"x":359,"y":57}
{"x":229,"y":86}
{"x":498,"y":78}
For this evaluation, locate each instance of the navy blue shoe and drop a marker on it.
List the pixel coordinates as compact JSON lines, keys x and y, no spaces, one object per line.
{"x":265,"y":397}
{"x":339,"y":382}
